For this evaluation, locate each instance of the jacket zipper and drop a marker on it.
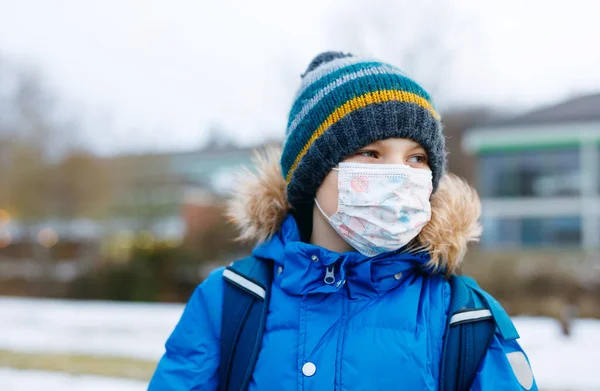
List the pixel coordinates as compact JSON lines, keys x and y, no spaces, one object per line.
{"x":329,"y":275}
{"x":341,"y":339}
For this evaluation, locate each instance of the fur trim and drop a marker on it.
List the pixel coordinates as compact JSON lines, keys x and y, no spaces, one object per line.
{"x":455,"y":212}
{"x":260,"y":205}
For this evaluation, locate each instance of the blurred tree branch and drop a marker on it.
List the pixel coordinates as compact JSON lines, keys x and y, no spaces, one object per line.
{"x":42,"y":173}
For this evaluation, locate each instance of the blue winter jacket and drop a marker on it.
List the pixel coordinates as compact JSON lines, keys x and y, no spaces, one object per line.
{"x":379,"y":326}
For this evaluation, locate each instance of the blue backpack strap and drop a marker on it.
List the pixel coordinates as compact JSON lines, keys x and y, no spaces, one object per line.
{"x":245,"y":305}
{"x":469,"y":332}
{"x":505,"y":326}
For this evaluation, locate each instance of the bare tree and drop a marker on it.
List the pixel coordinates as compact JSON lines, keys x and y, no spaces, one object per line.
{"x":28,"y":134}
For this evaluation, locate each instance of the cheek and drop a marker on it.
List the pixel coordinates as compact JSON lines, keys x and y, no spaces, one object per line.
{"x":327,"y":195}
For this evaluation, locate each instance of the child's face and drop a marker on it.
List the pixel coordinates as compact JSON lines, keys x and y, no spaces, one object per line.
{"x":389,"y":151}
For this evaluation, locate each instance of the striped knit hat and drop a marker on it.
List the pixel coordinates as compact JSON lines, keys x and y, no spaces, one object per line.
{"x":345,"y":103}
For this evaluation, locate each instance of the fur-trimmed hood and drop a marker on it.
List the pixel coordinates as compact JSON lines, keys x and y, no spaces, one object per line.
{"x":260,"y":205}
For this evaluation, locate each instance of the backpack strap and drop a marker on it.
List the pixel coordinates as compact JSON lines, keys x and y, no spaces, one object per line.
{"x":505,"y":326}
{"x":246,"y":294}
{"x":473,"y":317}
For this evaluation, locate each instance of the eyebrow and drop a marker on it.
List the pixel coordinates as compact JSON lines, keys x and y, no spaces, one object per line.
{"x":380,"y":144}
{"x":417,"y":147}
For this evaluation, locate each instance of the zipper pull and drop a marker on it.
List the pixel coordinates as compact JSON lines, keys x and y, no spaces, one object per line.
{"x":330,"y":275}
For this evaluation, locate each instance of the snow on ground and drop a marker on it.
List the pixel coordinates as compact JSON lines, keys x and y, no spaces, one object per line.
{"x":15,"y":380}
{"x":140,"y":330}
{"x":558,"y":362}
{"x":89,"y":327}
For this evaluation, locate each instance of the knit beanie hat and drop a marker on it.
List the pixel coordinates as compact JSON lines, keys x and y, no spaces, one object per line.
{"x":345,"y":103}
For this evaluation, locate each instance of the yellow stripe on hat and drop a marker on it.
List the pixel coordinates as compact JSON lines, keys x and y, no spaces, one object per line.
{"x":358,"y":103}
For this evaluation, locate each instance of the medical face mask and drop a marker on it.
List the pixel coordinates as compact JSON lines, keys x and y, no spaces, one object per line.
{"x":381,"y":207}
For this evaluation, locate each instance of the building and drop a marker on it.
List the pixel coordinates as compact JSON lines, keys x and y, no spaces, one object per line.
{"x":159,"y":195}
{"x":539,"y":177}
{"x":154,"y":192}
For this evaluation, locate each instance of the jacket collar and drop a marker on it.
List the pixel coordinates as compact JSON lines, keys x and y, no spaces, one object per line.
{"x":302,"y":268}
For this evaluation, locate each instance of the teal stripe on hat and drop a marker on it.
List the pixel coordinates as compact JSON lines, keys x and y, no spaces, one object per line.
{"x":325,"y":69}
{"x":322,"y":93}
{"x":351,"y":89}
{"x":313,"y":87}
{"x":330,"y":78}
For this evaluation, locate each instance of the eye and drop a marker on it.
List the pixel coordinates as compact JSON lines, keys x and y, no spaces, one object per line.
{"x":420,"y":159}
{"x":369,"y":154}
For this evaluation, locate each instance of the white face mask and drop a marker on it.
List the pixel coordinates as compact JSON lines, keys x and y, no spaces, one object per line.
{"x":381,"y":207}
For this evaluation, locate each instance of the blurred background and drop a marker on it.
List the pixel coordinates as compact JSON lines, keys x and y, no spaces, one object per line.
{"x":123,"y":124}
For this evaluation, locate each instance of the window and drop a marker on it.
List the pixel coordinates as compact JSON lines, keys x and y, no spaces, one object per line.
{"x":539,"y":173}
{"x":532,"y":232}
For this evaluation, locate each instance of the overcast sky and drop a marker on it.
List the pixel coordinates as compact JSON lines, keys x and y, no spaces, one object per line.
{"x":159,"y":73}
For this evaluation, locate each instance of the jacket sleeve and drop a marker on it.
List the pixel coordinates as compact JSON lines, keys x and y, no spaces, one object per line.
{"x":191,"y":360}
{"x":504,"y":367}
